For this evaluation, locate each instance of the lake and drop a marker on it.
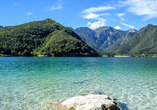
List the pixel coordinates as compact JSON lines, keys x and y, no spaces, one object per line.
{"x":28,"y":82}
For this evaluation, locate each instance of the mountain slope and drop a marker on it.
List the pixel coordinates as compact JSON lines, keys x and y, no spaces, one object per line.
{"x":145,"y":41}
{"x":45,"y":37}
{"x":88,"y":36}
{"x":1,"y":27}
{"x":104,"y":39}
{"x":108,"y":36}
{"x":122,"y":40}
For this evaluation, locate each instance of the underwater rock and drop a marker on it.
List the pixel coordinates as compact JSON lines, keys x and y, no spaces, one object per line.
{"x":91,"y":102}
{"x":54,"y":104}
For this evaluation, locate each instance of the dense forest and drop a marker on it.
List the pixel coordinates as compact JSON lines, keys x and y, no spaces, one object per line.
{"x":45,"y":37}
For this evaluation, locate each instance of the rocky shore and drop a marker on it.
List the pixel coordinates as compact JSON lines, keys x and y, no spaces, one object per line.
{"x":88,"y":102}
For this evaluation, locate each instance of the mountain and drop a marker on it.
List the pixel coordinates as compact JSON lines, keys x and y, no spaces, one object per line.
{"x":88,"y":36}
{"x":107,"y":36}
{"x":71,"y":28}
{"x":132,"y":30}
{"x":104,"y":39}
{"x":121,"y":41}
{"x":1,"y":27}
{"x":145,"y":41}
{"x":45,"y":37}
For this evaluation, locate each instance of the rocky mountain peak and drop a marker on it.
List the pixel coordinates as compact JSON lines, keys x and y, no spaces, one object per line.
{"x":132,"y":30}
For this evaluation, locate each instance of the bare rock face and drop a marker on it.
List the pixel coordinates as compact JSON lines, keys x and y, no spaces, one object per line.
{"x":91,"y":102}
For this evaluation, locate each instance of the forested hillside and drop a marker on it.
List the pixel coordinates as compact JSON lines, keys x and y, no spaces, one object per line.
{"x":45,"y":37}
{"x":144,"y":42}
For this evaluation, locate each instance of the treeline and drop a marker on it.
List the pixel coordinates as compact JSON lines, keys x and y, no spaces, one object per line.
{"x":131,"y":55}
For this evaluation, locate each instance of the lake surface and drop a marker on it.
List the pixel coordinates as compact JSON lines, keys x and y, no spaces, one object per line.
{"x":28,"y":82}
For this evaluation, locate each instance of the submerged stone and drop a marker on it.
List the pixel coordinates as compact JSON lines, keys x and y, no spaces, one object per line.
{"x":90,"y":102}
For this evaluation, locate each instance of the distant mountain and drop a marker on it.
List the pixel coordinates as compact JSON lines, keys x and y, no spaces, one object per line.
{"x":1,"y":27}
{"x":145,"y":41}
{"x":71,"y":28}
{"x":88,"y":35}
{"x":121,"y":41}
{"x":45,"y":37}
{"x":132,"y":30}
{"x":104,"y":39}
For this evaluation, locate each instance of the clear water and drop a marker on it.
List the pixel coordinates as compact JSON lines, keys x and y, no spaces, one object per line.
{"x":28,"y":82}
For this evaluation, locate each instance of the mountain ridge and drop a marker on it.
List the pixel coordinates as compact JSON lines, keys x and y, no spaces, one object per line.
{"x":104,"y":39}
{"x":50,"y":38}
{"x":45,"y":37}
{"x":145,"y":41}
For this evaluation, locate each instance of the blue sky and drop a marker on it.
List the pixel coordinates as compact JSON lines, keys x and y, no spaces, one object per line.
{"x":121,"y":14}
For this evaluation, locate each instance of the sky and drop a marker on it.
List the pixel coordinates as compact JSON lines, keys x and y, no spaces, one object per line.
{"x":119,"y":14}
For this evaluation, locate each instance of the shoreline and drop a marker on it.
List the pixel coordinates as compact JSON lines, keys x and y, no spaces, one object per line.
{"x":114,"y":56}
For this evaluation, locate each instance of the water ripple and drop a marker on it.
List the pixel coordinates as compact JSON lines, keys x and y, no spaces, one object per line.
{"x":29,"y":82}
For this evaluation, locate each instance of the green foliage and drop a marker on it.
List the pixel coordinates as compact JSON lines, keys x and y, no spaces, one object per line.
{"x":1,"y":27}
{"x":45,"y":37}
{"x":106,"y":54}
{"x":144,"y":42}
{"x":1,"y":55}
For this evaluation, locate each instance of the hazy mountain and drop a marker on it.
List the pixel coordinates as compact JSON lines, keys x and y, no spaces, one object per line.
{"x":45,"y":37}
{"x":145,"y":41}
{"x":132,"y":30}
{"x":88,"y":35}
{"x":1,"y":27}
{"x":121,"y":41}
{"x":104,"y":39}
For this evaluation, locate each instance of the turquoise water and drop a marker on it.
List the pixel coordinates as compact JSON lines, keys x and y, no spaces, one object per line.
{"x":28,"y":82}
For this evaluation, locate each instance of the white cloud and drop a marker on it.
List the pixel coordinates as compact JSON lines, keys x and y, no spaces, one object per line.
{"x":128,"y":25}
{"x":55,"y":7}
{"x":118,"y":27}
{"x":95,"y":16}
{"x":91,"y":16}
{"x":124,"y":19}
{"x":120,"y":14}
{"x":148,"y":8}
{"x":97,"y":24}
{"x":89,"y":23}
{"x":101,"y":19}
{"x":29,"y":13}
{"x":97,"y":9}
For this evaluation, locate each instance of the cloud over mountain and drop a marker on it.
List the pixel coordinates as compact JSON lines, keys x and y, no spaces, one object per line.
{"x":147,"y":8}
